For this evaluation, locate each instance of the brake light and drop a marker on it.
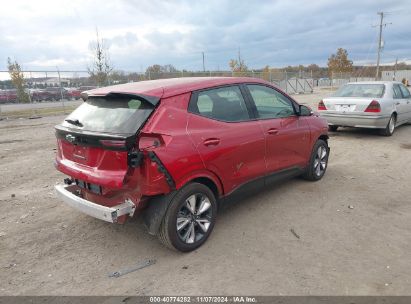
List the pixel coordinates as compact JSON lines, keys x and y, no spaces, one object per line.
{"x":373,"y":107}
{"x":321,"y":106}
{"x":113,"y":143}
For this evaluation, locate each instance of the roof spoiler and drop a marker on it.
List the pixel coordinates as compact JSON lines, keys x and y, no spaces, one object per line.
{"x":150,"y":99}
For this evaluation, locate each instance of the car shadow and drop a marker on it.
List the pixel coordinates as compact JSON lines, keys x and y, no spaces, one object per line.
{"x":364,"y":132}
{"x":242,"y":198}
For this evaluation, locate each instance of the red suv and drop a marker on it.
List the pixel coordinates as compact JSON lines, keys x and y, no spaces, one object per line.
{"x":174,"y":149}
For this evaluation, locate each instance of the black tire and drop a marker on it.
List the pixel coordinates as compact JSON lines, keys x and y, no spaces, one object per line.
{"x":332,"y":128}
{"x":390,"y":128}
{"x":168,"y":234}
{"x":312,"y":172}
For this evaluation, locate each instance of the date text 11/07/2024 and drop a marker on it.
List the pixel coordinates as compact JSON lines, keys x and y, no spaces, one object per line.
{"x":203,"y":299}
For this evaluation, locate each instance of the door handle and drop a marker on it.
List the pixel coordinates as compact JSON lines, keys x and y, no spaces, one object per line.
{"x":211,"y":142}
{"x":272,"y":131}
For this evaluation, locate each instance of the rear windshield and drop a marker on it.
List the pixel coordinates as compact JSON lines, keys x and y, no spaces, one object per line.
{"x":361,"y":90}
{"x":118,"y":115}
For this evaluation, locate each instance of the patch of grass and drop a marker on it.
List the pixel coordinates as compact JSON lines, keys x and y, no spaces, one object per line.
{"x":38,"y":112}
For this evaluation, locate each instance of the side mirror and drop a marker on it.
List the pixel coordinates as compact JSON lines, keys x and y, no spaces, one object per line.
{"x":304,"y":111}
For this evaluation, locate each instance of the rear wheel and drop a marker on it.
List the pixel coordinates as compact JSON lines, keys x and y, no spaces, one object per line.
{"x":332,"y":128}
{"x":390,"y":128}
{"x":189,"y":219}
{"x":318,"y":161}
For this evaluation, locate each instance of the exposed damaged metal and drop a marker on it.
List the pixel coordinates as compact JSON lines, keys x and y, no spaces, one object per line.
{"x":162,"y":169}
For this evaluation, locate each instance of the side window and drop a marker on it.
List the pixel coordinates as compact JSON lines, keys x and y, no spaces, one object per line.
{"x":270,"y":103}
{"x":205,"y":105}
{"x":397,"y":91}
{"x":225,"y":104}
{"x":405,"y":92}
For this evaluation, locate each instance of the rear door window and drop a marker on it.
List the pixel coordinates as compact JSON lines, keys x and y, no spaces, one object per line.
{"x":115,"y":114}
{"x":226,"y":104}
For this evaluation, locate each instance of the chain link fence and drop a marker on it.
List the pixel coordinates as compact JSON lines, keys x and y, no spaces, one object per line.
{"x":54,"y":91}
{"x":339,"y":79}
{"x":45,"y":92}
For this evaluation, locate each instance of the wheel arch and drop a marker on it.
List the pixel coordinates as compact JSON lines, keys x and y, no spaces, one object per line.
{"x":158,"y":205}
{"x":323,"y":137}
{"x":209,"y":183}
{"x":206,"y":178}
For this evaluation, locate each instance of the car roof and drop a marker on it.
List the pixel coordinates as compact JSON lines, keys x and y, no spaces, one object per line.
{"x":163,"y":88}
{"x":374,"y":82}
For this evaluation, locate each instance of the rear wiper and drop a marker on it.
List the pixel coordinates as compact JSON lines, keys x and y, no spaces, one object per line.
{"x":75,"y":122}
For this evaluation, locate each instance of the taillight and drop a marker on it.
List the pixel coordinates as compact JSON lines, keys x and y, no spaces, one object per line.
{"x":321,"y":106}
{"x":113,"y":143}
{"x":373,"y":107}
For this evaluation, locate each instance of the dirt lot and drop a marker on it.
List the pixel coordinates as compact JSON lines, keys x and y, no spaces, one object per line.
{"x":47,"y":248}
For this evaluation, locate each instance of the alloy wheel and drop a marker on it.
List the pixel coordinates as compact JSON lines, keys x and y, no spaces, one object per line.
{"x":194,"y":218}
{"x":391,"y":125}
{"x":320,"y":161}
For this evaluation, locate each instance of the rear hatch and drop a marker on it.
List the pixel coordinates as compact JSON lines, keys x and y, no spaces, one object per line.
{"x":96,"y":140}
{"x":354,"y":98}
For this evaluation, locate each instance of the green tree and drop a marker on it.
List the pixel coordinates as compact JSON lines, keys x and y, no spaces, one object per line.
{"x":17,"y":78}
{"x":339,"y":62}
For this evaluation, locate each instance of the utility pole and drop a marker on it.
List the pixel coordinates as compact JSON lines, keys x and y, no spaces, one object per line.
{"x":395,"y":68}
{"x":203,"y":62}
{"x":380,"y":43}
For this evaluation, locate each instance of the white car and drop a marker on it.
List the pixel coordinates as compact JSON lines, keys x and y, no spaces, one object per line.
{"x":383,"y":105}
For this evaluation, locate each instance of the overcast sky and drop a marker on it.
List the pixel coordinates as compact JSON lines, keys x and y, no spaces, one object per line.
{"x":44,"y":34}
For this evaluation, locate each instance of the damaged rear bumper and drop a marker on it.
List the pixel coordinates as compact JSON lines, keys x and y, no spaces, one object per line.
{"x":68,"y":195}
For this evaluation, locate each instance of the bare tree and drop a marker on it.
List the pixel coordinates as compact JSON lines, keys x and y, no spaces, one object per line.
{"x":101,"y":67}
{"x":160,"y":71}
{"x":17,"y":78}
{"x":238,"y":67}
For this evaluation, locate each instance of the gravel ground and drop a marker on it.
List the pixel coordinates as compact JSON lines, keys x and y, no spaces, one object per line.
{"x":352,"y":229}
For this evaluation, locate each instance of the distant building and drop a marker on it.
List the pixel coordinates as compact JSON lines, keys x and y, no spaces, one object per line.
{"x":397,"y":76}
{"x":49,"y":82}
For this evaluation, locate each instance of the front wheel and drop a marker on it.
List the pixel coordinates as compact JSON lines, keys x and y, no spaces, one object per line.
{"x":189,"y":219}
{"x":318,"y":161}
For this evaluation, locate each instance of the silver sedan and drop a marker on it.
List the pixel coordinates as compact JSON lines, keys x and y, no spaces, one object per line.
{"x":383,"y":105}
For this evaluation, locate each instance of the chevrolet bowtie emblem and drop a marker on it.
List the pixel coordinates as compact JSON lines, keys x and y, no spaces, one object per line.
{"x":70,"y":138}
